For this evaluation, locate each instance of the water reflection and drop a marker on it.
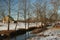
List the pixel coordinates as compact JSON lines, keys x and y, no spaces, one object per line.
{"x":24,"y":36}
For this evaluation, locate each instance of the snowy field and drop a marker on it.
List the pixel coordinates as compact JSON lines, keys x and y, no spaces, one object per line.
{"x":4,"y":26}
{"x":50,"y":35}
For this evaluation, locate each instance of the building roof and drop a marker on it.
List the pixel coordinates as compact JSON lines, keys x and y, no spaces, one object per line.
{"x":10,"y":17}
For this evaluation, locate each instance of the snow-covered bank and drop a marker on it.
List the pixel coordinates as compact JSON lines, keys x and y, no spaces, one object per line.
{"x":51,"y":34}
{"x":45,"y":38}
{"x":4,"y":26}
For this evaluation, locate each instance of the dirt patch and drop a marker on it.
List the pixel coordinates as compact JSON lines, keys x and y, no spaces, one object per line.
{"x":38,"y":30}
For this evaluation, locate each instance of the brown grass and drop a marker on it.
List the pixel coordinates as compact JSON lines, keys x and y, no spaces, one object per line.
{"x":6,"y":32}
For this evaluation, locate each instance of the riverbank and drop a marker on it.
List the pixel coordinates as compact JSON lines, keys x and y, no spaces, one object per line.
{"x":50,"y":34}
{"x":20,"y":30}
{"x":13,"y":33}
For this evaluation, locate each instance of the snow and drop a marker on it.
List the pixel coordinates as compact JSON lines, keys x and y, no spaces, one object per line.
{"x":12,"y":26}
{"x":53,"y":35}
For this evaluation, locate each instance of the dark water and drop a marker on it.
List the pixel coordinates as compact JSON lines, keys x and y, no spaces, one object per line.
{"x":24,"y":36}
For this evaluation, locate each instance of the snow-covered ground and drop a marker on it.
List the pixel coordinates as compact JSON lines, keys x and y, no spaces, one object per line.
{"x":4,"y":26}
{"x":50,"y":35}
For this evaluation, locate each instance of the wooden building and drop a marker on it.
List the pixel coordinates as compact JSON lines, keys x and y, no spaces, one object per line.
{"x":7,"y":19}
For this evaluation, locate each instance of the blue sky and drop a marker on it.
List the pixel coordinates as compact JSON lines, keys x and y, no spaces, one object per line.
{"x":15,"y":8}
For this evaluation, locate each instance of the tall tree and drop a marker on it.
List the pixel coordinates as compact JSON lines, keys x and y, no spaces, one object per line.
{"x":37,"y":10}
{"x":44,"y":11}
{"x":55,"y":4}
{"x":24,"y":3}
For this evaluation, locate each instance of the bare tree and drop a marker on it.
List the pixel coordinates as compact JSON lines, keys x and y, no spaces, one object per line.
{"x":2,"y":10}
{"x":44,"y":11}
{"x":18,"y":13}
{"x":9,"y":13}
{"x":28,"y":10}
{"x":24,"y":2}
{"x":40,"y":11}
{"x":55,"y":4}
{"x":37,"y":10}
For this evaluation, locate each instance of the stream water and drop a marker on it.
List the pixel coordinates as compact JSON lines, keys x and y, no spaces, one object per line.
{"x":24,"y":36}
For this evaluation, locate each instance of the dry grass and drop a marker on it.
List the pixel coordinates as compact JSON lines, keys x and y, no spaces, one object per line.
{"x":6,"y":32}
{"x":56,"y":28}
